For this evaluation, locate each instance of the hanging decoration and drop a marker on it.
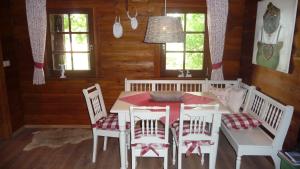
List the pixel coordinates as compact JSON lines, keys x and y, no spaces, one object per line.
{"x":133,"y":21}
{"x":117,"y":28}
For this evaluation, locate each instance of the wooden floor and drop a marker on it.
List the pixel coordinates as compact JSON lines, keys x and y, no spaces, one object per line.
{"x":78,"y":156}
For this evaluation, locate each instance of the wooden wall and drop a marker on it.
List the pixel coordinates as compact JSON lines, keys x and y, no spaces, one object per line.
{"x":11,"y":76}
{"x":281,"y":86}
{"x":61,"y":101}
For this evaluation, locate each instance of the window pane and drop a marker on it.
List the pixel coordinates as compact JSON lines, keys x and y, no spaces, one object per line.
{"x":81,"y":61}
{"x":195,"y":22}
{"x":66,"y":23}
{"x":181,"y":15}
{"x":79,"y":22}
{"x":68,"y":61}
{"x":174,"y":46}
{"x":174,"y":61}
{"x":57,"y":60}
{"x":194,"y":61}
{"x":61,"y":42}
{"x":80,"y":42}
{"x":59,"y":23}
{"x":194,"y":42}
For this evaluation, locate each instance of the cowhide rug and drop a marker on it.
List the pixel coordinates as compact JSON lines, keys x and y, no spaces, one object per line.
{"x":54,"y":138}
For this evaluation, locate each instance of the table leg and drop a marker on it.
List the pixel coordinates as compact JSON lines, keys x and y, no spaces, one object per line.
{"x":122,"y":139}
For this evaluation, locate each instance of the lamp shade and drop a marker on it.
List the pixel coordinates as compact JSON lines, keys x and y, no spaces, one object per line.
{"x":164,"y":29}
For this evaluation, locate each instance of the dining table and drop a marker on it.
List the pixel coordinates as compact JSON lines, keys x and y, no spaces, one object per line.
{"x":131,"y":98}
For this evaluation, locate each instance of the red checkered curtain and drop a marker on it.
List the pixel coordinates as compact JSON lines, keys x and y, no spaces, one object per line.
{"x":217,"y":11}
{"x":37,"y":25}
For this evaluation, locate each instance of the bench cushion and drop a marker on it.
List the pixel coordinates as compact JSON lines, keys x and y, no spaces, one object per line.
{"x":240,"y":121}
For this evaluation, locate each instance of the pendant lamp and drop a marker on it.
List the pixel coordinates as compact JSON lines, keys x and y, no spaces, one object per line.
{"x":164,"y":29}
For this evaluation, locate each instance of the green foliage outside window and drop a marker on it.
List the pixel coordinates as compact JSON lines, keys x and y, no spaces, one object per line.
{"x":192,"y":55}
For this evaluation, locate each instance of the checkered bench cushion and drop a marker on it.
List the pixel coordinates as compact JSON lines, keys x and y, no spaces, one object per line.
{"x":109,"y":123}
{"x":240,"y":121}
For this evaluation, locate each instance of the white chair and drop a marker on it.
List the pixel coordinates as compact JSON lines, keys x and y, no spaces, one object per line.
{"x":149,"y":138}
{"x":197,"y":132}
{"x":102,"y":123}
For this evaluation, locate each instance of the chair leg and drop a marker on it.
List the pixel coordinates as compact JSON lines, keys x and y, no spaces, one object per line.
{"x":95,"y":142}
{"x":166,"y":161}
{"x":126,"y":159}
{"x":213,"y":157}
{"x":179,"y":158}
{"x":133,"y":161}
{"x":104,"y":143}
{"x":128,"y":141}
{"x":238,"y":162}
{"x":174,"y":152}
{"x":276,"y":161}
{"x":212,"y":160}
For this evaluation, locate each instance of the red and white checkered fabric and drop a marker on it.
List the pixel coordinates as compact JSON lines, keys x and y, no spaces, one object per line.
{"x":138,"y":133}
{"x":186,"y":129}
{"x":240,"y":121}
{"x":145,"y":148}
{"x":191,"y":144}
{"x":152,"y":146}
{"x":109,"y":123}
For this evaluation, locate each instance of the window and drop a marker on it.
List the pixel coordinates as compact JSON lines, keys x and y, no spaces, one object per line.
{"x":70,"y":41}
{"x":189,"y":55}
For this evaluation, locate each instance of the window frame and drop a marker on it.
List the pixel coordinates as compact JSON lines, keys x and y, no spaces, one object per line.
{"x":195,"y":73}
{"x":49,"y":59}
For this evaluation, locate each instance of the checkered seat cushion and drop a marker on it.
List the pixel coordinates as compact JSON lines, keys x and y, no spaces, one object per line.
{"x":109,"y":123}
{"x":191,"y":145}
{"x":186,"y":129}
{"x":145,"y":148}
{"x":240,"y":121}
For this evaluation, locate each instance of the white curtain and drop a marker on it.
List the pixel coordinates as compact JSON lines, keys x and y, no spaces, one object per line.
{"x":217,"y":12}
{"x":37,"y":25}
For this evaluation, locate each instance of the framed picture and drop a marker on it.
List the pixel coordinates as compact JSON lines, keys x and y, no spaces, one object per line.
{"x":274,"y":32}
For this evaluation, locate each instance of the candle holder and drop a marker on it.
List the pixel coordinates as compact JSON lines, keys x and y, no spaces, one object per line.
{"x":62,"y":71}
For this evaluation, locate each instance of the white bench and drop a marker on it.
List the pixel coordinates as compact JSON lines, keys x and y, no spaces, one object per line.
{"x":177,"y":85}
{"x":262,"y":141}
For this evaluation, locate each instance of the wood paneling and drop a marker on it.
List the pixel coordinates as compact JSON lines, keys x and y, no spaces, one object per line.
{"x":61,"y":101}
{"x":281,"y":86}
{"x":5,"y":122}
{"x":11,"y":73}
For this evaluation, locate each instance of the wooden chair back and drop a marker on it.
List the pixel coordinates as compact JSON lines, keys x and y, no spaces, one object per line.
{"x":95,"y":103}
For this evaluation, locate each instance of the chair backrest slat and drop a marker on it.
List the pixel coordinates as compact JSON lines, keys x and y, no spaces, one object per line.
{"x":146,"y":120}
{"x":95,"y":103}
{"x":199,"y":122}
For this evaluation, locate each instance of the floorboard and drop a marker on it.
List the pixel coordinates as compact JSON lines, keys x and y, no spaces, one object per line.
{"x":78,"y":156}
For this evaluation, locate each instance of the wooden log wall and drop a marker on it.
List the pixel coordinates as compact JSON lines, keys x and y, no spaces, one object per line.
{"x":283,"y":87}
{"x":61,"y":101}
{"x":11,"y":76}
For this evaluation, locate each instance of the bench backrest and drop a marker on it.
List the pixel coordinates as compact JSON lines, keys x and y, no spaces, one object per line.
{"x":275,"y":117}
{"x":222,"y":83}
{"x":177,"y":85}
{"x":165,"y":85}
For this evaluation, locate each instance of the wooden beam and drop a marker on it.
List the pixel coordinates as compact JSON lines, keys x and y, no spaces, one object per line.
{"x":5,"y":121}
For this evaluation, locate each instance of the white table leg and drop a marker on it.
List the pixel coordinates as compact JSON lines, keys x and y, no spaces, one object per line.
{"x":122,"y":139}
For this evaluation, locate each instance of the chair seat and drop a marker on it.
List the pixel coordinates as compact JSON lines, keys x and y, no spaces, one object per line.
{"x":109,"y":123}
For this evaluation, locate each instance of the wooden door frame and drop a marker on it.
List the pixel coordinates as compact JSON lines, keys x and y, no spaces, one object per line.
{"x":5,"y":125}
